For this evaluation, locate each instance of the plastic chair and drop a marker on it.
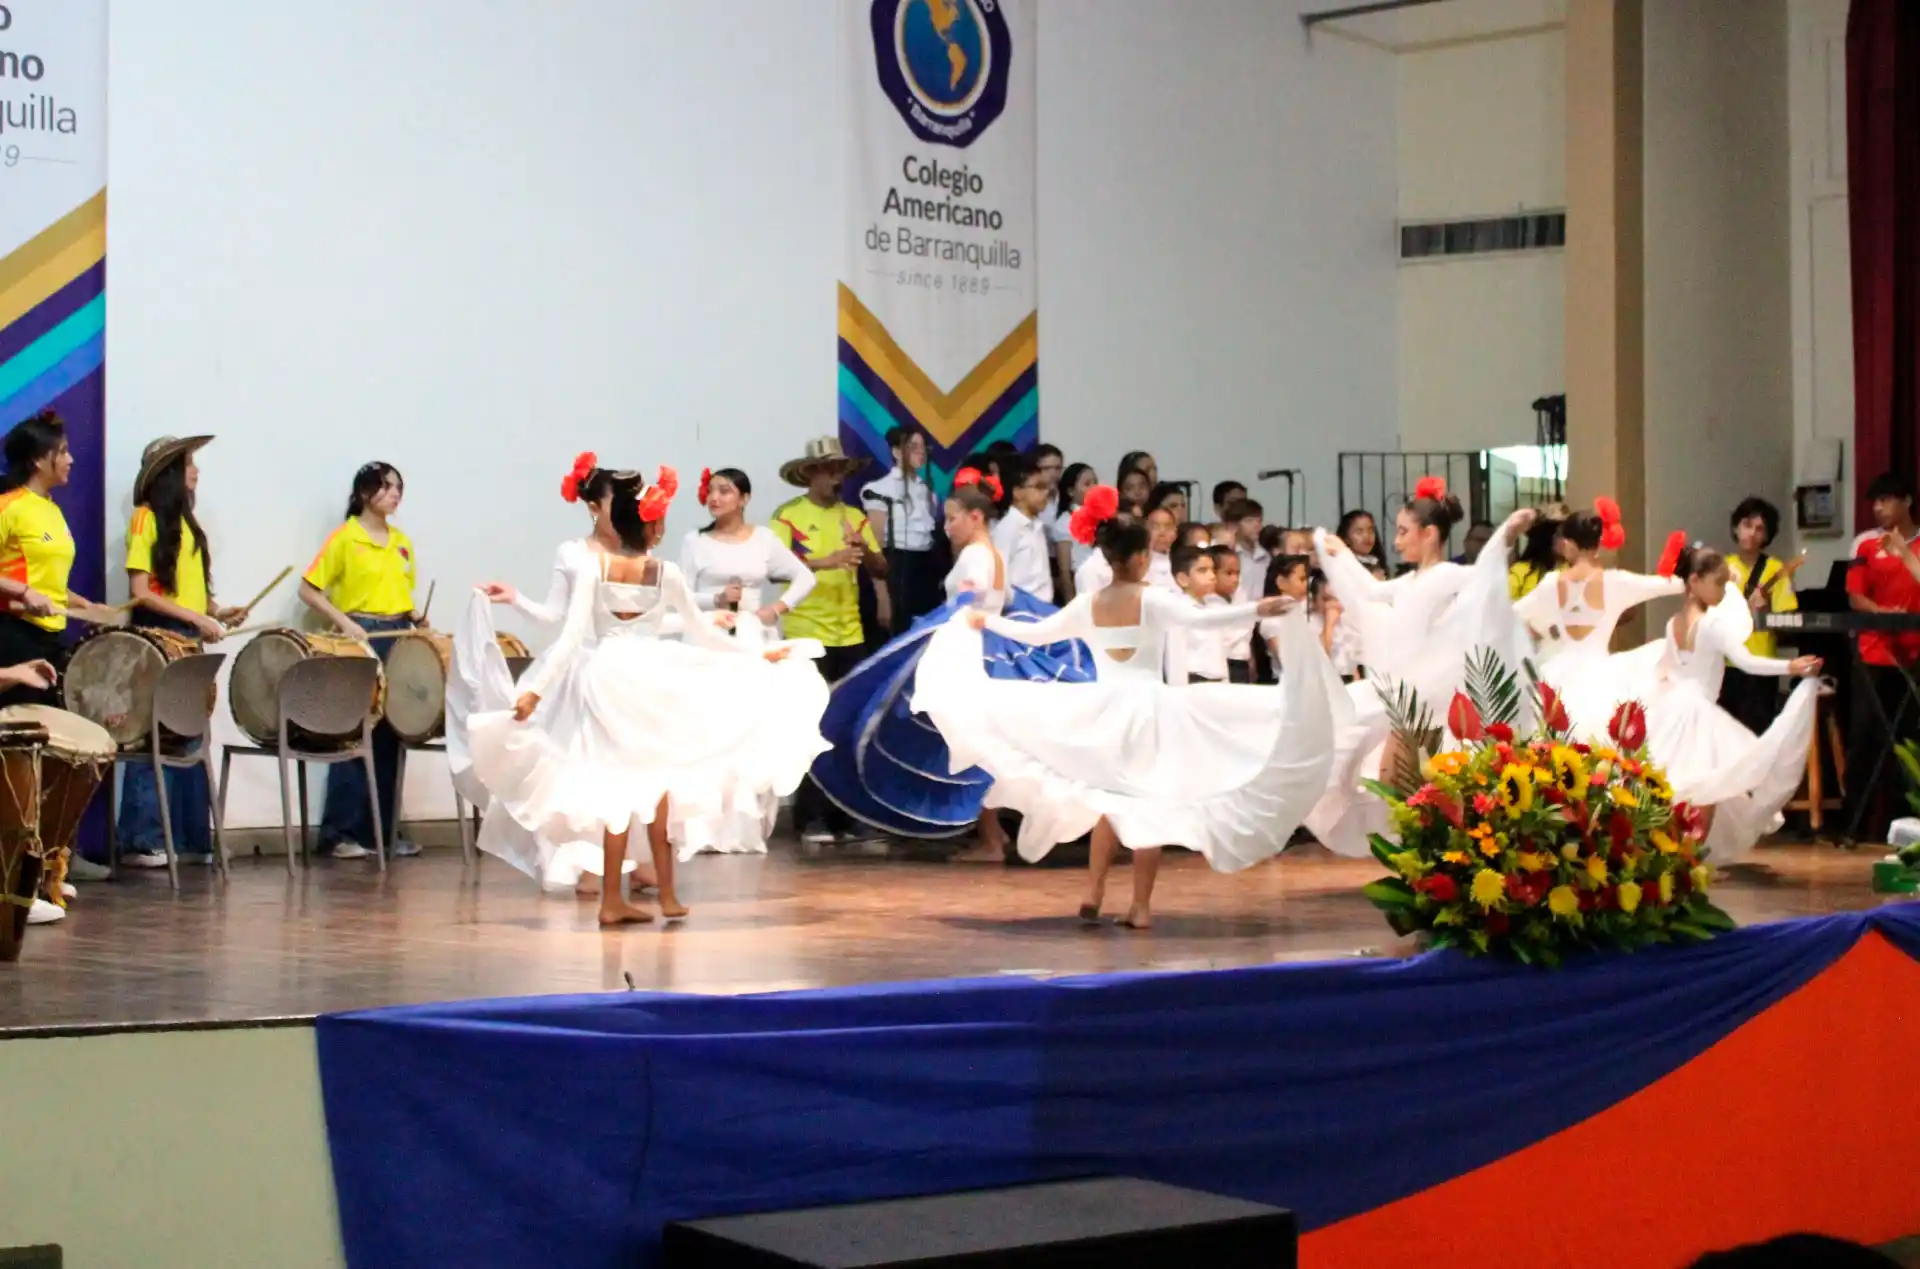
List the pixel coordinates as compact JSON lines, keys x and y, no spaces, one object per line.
{"x":324,"y":696}
{"x":180,"y":738}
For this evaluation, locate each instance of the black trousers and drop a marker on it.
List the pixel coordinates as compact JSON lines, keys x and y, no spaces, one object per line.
{"x":1239,"y":671}
{"x":1871,"y":796}
{"x":811,"y":807}
{"x":23,"y":641}
{"x":1754,"y":699}
{"x":915,"y":578}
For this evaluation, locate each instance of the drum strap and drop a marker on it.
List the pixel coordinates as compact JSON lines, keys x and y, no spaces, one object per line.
{"x":17,"y":900}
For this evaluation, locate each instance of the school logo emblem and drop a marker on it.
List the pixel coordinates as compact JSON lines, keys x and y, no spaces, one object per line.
{"x":943,"y":64}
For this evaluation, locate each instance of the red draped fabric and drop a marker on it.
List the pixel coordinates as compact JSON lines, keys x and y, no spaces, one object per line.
{"x":1883,"y":184}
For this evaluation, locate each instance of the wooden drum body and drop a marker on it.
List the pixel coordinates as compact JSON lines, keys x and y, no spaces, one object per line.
{"x":417,"y":668}
{"x":254,"y":688}
{"x":21,"y":854}
{"x":111,"y":677}
{"x":77,"y":756}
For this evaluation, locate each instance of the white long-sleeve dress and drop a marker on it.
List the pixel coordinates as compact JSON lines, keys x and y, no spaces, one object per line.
{"x":711,"y":564}
{"x":706,"y":723}
{"x":1711,"y":760}
{"x":1591,"y":680}
{"x":1226,"y":770}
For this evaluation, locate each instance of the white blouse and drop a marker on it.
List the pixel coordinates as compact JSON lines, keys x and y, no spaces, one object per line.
{"x":710,"y":564}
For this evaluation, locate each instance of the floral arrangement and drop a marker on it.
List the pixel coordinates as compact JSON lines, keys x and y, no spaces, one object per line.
{"x":1536,"y":845}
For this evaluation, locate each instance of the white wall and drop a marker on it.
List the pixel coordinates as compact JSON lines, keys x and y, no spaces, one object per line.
{"x":1822,"y":263}
{"x":1482,"y":132}
{"x":473,"y":239}
{"x":1718,"y":301}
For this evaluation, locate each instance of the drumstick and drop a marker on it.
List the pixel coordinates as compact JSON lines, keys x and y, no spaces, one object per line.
{"x":269,"y":588}
{"x":428,"y":606}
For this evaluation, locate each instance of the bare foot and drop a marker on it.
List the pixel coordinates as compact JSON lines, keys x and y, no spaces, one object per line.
{"x":643,"y":879}
{"x":1138,"y":918}
{"x":671,"y":908}
{"x":588,"y":887}
{"x":614,"y":911}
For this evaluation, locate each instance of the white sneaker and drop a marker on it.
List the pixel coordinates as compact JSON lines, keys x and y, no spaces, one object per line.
{"x":350,"y":850}
{"x":67,"y":891}
{"x":44,"y":913}
{"x":80,"y":868}
{"x":144,"y":859}
{"x":404,"y":849}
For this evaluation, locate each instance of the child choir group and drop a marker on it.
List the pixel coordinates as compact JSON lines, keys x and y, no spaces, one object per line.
{"x":1083,"y":655}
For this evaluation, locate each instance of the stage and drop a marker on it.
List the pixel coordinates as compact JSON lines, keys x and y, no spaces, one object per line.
{"x":343,"y":936}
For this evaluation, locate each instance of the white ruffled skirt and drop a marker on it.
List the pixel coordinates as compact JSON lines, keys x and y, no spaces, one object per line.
{"x":1711,"y":760}
{"x":1225,"y":770}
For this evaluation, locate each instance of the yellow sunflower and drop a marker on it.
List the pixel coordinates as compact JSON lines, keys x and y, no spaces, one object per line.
{"x":1563,"y":902}
{"x":1623,"y":796}
{"x":1516,"y":787}
{"x":1629,"y":896}
{"x":1489,"y":888}
{"x":1569,"y":770}
{"x":1597,"y":869}
{"x":1663,"y":840}
{"x":1666,"y":887}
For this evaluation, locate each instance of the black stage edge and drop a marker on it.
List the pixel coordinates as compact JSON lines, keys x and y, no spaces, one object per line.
{"x":1112,"y":1223}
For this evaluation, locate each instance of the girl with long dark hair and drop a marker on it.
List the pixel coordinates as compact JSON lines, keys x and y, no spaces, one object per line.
{"x":1130,"y":757}
{"x":362,"y":582}
{"x":729,"y":564}
{"x":667,"y":732}
{"x":170,"y":575}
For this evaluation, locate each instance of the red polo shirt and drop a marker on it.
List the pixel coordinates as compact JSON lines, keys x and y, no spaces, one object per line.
{"x":1881,"y":576}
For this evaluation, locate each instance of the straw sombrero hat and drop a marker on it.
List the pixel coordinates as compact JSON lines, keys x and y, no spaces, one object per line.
{"x":822,"y":451}
{"x":155,"y":457}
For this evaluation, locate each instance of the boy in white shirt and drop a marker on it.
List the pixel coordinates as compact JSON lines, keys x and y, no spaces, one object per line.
{"x":1021,"y":537}
{"x":1206,"y":649}
{"x":1226,"y":585}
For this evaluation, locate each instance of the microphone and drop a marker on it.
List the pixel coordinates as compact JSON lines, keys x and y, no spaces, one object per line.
{"x":1270,"y":475}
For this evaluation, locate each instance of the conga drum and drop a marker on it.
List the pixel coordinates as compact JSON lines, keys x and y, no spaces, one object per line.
{"x":77,"y":756}
{"x":20,"y":849}
{"x":253,"y":689}
{"x":418,"y":664}
{"x":111,"y":676}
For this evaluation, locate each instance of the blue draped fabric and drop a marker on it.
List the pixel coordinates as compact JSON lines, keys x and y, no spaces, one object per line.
{"x":888,"y":765}
{"x":566,"y":1131}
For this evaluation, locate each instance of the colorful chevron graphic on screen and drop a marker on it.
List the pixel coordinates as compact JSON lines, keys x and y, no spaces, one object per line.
{"x":53,"y":313}
{"x":881,"y":388}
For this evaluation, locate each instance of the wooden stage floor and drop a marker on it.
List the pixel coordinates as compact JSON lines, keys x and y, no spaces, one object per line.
{"x":345,"y":937}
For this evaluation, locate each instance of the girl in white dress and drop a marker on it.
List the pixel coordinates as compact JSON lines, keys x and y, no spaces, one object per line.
{"x":731,"y":565}
{"x":1226,"y":770}
{"x":1739,"y":780}
{"x":1574,"y":613}
{"x":664,"y":730}
{"x":1419,"y":629}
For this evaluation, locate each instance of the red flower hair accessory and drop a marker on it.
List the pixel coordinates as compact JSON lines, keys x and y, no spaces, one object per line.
{"x":974,"y":476}
{"x":706,"y":483}
{"x":583,"y":466}
{"x":654,"y":502}
{"x":1100,"y":505}
{"x":1613,"y":534}
{"x":1430,"y":487}
{"x":1670,"y":558}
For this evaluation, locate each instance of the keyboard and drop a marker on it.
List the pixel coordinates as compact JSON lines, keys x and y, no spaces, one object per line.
{"x":1835,"y":622}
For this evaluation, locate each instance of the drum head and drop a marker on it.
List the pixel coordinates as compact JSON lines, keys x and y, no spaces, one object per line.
{"x":110,"y":682}
{"x":254,"y":689}
{"x":417,"y":686}
{"x":69,"y":736}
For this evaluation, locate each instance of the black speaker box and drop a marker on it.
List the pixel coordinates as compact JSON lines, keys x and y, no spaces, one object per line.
{"x":1112,"y":1223}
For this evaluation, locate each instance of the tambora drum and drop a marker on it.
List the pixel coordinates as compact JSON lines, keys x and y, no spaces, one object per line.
{"x":74,"y":760}
{"x":254,"y":687}
{"x":111,"y":676}
{"x":417,"y":668}
{"x":20,"y":849}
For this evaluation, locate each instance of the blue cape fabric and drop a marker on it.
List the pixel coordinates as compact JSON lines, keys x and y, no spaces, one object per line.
{"x":566,"y":1131}
{"x":888,"y":765}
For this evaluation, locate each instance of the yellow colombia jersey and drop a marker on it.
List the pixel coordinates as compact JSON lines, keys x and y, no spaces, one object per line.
{"x":36,"y":548}
{"x":190,"y":570}
{"x":1780,"y":594}
{"x":360,"y":575}
{"x":831,"y":613}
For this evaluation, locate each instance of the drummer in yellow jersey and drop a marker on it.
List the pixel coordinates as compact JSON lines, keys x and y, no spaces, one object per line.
{"x":1767,"y":584}
{"x":362,"y":581}
{"x":36,"y":555}
{"x":170,"y":576}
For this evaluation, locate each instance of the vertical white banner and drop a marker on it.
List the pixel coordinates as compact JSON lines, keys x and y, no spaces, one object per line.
{"x":938,"y":313}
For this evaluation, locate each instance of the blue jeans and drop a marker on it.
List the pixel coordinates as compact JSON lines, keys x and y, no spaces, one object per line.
{"x":189,"y":803}
{"x":347,"y":816}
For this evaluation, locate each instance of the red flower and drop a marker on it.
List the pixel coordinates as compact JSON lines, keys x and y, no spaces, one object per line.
{"x":1670,"y":558}
{"x":706,"y":484}
{"x":1451,"y":809}
{"x":583,"y":466}
{"x":1500,"y":732}
{"x":1692,"y":822}
{"x":1578,"y":813}
{"x":1432,"y":487}
{"x":1483,"y":803}
{"x":1589,"y":900}
{"x":1607,"y":898}
{"x":1650,"y":893}
{"x":1530,"y":889}
{"x":1463,"y":720}
{"x":1497,"y":923}
{"x":1553,"y":795}
{"x":1553,"y":711}
{"x":1682,"y":881}
{"x":1619,"y":829}
{"x":1100,"y":505}
{"x":1613,"y":534}
{"x":654,"y":502}
{"x":974,"y":476}
{"x":1442,"y":888}
{"x":1628,"y":727}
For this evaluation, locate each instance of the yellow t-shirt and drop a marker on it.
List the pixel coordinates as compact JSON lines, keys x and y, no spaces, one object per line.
{"x":360,"y":575}
{"x":190,"y":570}
{"x":36,"y":548}
{"x":1779,"y":588}
{"x":1522,"y":578}
{"x":831,"y":613}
